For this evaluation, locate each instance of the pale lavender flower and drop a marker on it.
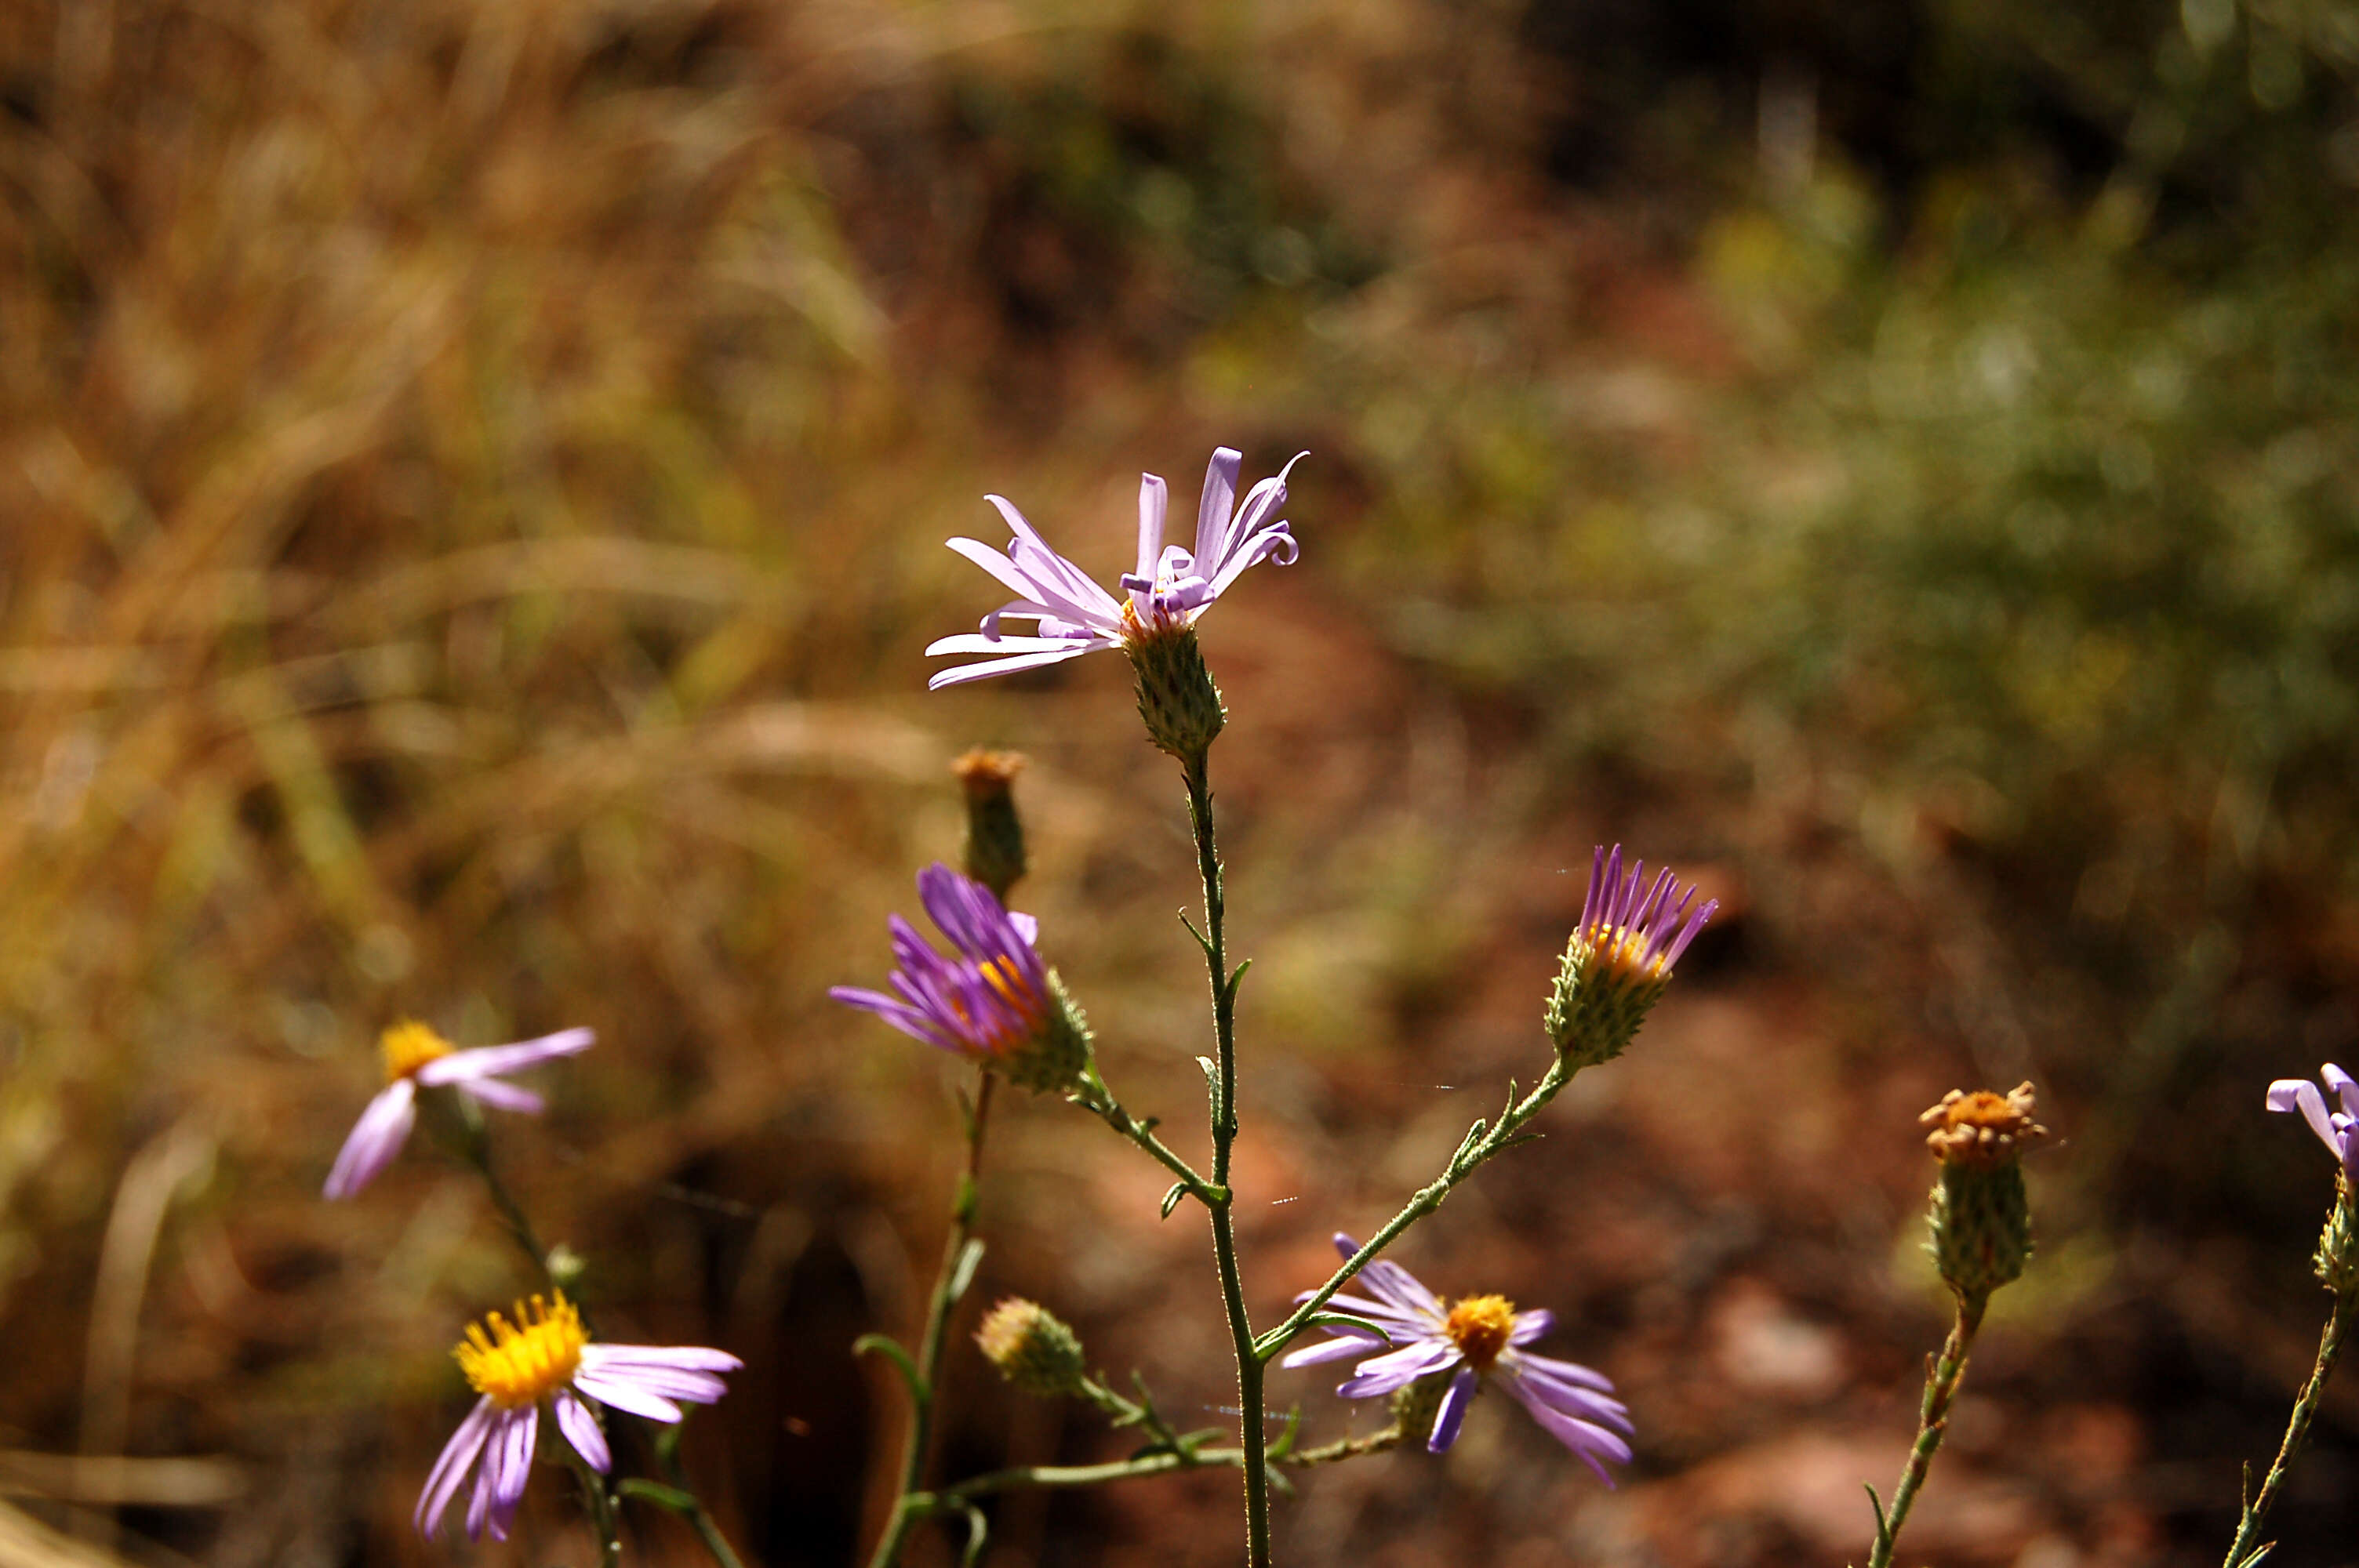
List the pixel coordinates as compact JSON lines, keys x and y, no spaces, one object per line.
{"x":1073,"y":615}
{"x":1481,"y":1336}
{"x":991,"y":1001}
{"x":2334,"y":1128}
{"x":545,"y":1357}
{"x":414,"y":1056}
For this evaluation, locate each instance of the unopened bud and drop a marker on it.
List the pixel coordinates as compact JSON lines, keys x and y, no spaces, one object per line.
{"x":1981,"y":1218}
{"x":995,"y":833}
{"x":1032,"y":1348}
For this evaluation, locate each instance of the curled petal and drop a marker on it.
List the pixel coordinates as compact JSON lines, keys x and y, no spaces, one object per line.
{"x":2285,"y":1094}
{"x":1399,"y":1368}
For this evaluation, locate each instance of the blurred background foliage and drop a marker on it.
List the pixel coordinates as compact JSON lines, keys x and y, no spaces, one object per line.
{"x":472,"y":491}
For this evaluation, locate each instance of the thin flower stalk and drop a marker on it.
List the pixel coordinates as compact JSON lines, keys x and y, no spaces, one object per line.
{"x":1253,"y":1437}
{"x":1932,"y":1422}
{"x":957,"y":1270}
{"x":2248,"y":1548}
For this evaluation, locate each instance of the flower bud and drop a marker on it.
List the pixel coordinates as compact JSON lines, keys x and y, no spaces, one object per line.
{"x":1619,"y":961}
{"x":1176,"y":695}
{"x":995,"y":833}
{"x":1981,"y":1220}
{"x":1032,"y":1348}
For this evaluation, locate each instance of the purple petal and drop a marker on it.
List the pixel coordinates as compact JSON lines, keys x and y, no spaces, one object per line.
{"x":1587,"y":1440}
{"x":1399,"y":1368}
{"x":1044,"y":577}
{"x":1407,"y":1293}
{"x":1415,"y":1326}
{"x":1534,"y":1390}
{"x":990,"y":667}
{"x":978,"y":643}
{"x":1452,"y":1413}
{"x":507,"y":1097}
{"x":1572,"y":1374}
{"x":1219,"y":499}
{"x":2285,"y":1094}
{"x":670,"y":1357}
{"x":624,"y":1394}
{"x":1345,"y":1245}
{"x":383,"y":1127}
{"x":1154,"y":503}
{"x":2346,"y":1092}
{"x":450,"y":1471}
{"x":580,"y":1429}
{"x":515,"y":1463}
{"x":1530,"y":1326}
{"x":484,"y":1061}
{"x":1329,"y":1350}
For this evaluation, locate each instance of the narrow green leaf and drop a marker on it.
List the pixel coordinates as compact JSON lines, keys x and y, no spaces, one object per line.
{"x":663,"y":1497}
{"x":879,"y":1345}
{"x":1171,"y":1199}
{"x":978,"y":1531}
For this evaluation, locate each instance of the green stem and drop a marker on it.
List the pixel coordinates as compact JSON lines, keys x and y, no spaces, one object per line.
{"x":1162,"y":1462}
{"x":928,"y":1382}
{"x":2245,"y":1548}
{"x":1482,"y":1141}
{"x":1250,"y":1430}
{"x":666,"y":1446}
{"x":475,"y":1143}
{"x":1097,"y":1099}
{"x":599,"y":1504}
{"x":1934,"y":1419}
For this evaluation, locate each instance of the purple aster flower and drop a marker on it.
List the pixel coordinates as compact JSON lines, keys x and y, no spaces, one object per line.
{"x":1619,"y":960}
{"x":991,"y":1001}
{"x":1480,"y":1336}
{"x":415,"y":1056}
{"x":2334,"y":1127}
{"x":1172,"y":586}
{"x":545,"y":1357}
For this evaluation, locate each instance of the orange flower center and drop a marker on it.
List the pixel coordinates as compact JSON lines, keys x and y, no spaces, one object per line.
{"x":408,"y":1047}
{"x":1479,"y":1326}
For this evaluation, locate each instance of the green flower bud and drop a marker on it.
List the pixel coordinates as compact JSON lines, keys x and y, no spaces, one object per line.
{"x":995,"y":833}
{"x":1032,"y":1348}
{"x":1619,"y":961}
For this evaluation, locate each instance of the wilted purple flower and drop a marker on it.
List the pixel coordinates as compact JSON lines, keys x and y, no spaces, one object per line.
{"x":416,"y":1055}
{"x":1171,"y":589}
{"x":2334,"y":1128}
{"x":546,"y":1356}
{"x":1481,"y":1336}
{"x":993,"y":1001}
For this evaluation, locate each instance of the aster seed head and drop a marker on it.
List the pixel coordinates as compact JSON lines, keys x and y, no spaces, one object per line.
{"x":1981,"y":1218}
{"x":1177,"y":698}
{"x":1032,"y":1348}
{"x":995,"y":832}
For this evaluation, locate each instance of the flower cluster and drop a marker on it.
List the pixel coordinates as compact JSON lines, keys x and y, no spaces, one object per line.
{"x":1461,"y":1343}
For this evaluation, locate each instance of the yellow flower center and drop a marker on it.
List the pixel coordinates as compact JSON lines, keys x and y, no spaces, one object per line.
{"x":1480,"y":1327}
{"x":524,"y":1362}
{"x":1622,"y":949}
{"x":1008,"y":983}
{"x":408,"y":1047}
